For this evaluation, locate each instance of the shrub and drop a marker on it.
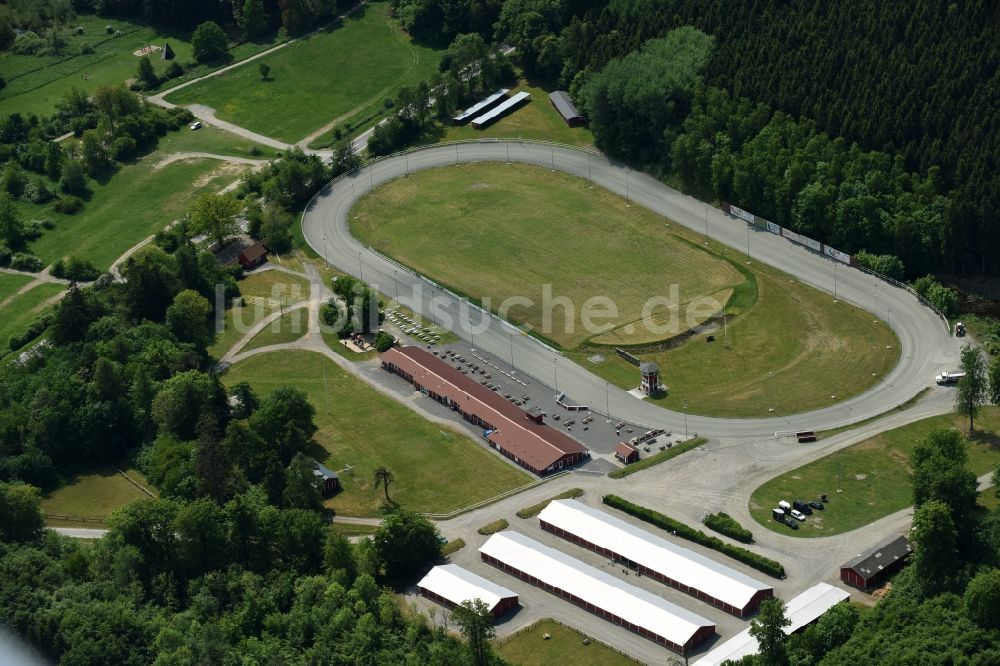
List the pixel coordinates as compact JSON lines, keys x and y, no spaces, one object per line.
{"x":86,"y":48}
{"x":943,"y":298}
{"x":108,"y":29}
{"x":723,"y":523}
{"x":173,"y":70}
{"x":5,"y":255}
{"x":69,"y":205}
{"x":36,"y":328}
{"x":28,"y":43}
{"x":494,"y":527}
{"x":79,"y":29}
{"x":883,"y":264}
{"x":24,"y":261}
{"x":383,"y":342}
{"x":38,"y":192}
{"x":78,"y":270}
{"x":684,"y":531}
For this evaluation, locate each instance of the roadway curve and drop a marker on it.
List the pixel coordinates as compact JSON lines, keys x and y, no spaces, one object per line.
{"x":927,"y":345}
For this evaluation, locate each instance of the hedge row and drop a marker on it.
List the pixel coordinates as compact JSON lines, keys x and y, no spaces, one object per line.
{"x":657,"y":458}
{"x":759,"y":562}
{"x":723,"y":523}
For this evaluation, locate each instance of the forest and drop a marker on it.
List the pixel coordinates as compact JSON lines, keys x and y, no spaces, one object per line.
{"x":875,"y":123}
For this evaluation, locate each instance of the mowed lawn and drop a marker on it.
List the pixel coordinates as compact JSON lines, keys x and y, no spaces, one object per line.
{"x":94,"y":494}
{"x":21,"y":311}
{"x":794,"y":350}
{"x":10,"y":284}
{"x":536,"y":120}
{"x":330,"y":76}
{"x":289,"y":327}
{"x":498,"y":231}
{"x":263,"y":293}
{"x":531,"y":648}
{"x":437,"y":469}
{"x":870,"y":479}
{"x":135,"y":202}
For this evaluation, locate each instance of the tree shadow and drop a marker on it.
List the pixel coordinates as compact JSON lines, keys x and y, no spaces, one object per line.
{"x":986,"y":438}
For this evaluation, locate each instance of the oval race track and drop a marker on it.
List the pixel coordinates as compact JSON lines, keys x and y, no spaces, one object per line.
{"x":927,"y":346}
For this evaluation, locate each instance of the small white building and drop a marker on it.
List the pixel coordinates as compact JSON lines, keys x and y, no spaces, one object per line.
{"x":450,"y":585}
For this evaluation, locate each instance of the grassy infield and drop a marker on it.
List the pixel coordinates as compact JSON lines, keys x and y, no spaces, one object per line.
{"x":516,"y":229}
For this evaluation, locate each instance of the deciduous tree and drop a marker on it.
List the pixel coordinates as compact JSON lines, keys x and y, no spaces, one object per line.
{"x":209,"y":42}
{"x":971,"y":394}
{"x":769,"y":630}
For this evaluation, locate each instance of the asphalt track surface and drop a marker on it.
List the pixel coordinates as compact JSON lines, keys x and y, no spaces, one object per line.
{"x":927,"y":345}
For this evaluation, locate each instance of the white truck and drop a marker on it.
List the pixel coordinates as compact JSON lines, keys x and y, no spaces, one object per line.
{"x":949,"y":378}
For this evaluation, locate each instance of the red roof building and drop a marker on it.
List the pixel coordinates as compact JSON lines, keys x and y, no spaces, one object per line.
{"x":520,"y":436}
{"x":626,"y":453}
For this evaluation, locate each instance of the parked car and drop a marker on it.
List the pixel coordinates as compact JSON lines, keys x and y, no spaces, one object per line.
{"x":196,"y":125}
{"x":791,"y":523}
{"x":817,"y":505}
{"x":798,"y":515}
{"x":803,"y":507}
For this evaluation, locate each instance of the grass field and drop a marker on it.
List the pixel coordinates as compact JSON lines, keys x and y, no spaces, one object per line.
{"x":262,"y":293}
{"x":535,"y":120}
{"x":870,"y":479}
{"x":564,"y":646}
{"x":210,"y":139}
{"x":337,"y":74}
{"x":455,"y":226}
{"x":289,"y":327}
{"x":35,"y":84}
{"x":94,"y":494}
{"x":23,"y":310}
{"x":10,"y":284}
{"x":436,"y":469}
{"x":499,"y":231}
{"x":117,"y":217}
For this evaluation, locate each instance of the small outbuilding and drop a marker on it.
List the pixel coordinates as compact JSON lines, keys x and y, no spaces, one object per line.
{"x":872,"y":567}
{"x":253,"y":256}
{"x":626,"y":453}
{"x":564,"y":105}
{"x":328,"y":479}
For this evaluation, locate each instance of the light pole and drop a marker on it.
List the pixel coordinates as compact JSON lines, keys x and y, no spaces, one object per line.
{"x":590,"y":182}
{"x":607,"y":402}
{"x":407,"y":157}
{"x":834,"y":280}
{"x":326,"y":252}
{"x":685,"y":419}
{"x":511,"y":353}
{"x":555,"y":372}
{"x":507,"y":144}
{"x":552,"y":152}
{"x":770,"y":391}
{"x":628,"y":201}
{"x":361,"y":270}
{"x":725,"y":328}
{"x":395,"y":282}
{"x":748,"y":242}
{"x":371,"y":178}
{"x":706,"y":224}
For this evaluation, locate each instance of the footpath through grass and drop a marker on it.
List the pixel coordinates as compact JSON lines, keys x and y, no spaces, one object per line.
{"x":340,"y":73}
{"x":499,"y":231}
{"x":871,"y":479}
{"x":10,"y":284}
{"x":262,"y":294}
{"x":436,"y":469}
{"x":132,"y":203}
{"x":529,"y":647}
{"x":289,"y":327}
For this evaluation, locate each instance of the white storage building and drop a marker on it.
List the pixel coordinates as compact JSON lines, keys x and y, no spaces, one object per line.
{"x":654,"y":556}
{"x":450,"y":585}
{"x":802,"y":610}
{"x":599,"y":592}
{"x":501,"y":110}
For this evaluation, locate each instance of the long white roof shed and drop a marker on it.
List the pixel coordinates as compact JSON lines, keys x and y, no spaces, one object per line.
{"x":481,"y":106}
{"x":503,"y":109}
{"x":455,"y":585}
{"x":803,"y":609}
{"x":601,"y":593}
{"x":675,"y":565}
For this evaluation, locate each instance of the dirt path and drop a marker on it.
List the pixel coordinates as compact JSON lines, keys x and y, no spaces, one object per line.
{"x":177,"y":157}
